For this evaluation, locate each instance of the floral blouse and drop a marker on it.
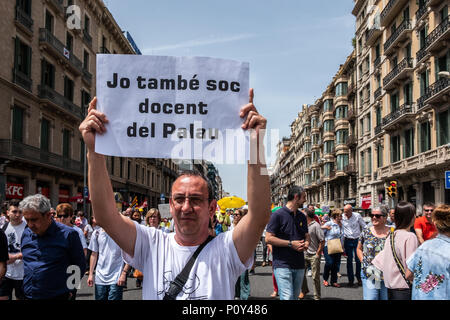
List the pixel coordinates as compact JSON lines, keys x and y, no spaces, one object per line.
{"x":430,"y":264}
{"x":372,"y":245}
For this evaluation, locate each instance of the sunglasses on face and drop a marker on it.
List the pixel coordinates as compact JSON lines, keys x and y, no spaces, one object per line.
{"x":428,"y":210}
{"x":378,"y":216}
{"x":62,"y":216}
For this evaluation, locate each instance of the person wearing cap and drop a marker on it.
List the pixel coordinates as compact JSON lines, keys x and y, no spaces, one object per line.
{"x":424,"y":226}
{"x":223,"y":219}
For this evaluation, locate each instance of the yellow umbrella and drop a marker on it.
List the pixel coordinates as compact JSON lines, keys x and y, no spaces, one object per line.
{"x":231,"y":202}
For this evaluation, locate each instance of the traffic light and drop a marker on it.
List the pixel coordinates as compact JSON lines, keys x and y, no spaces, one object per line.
{"x":392,"y":189}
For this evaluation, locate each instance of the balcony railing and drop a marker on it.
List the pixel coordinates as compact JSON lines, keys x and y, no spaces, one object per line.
{"x":377,"y":62}
{"x":24,"y":19}
{"x":377,"y":93}
{"x":87,"y":77}
{"x":350,"y":169}
{"x":45,"y":92}
{"x":22,"y":79}
{"x":405,"y":25}
{"x":403,"y":65}
{"x":18,"y":150}
{"x":432,"y":38}
{"x":46,"y":37}
{"x":87,"y":37}
{"x":104,"y":50}
{"x":352,"y":141}
{"x":403,"y":110}
{"x":432,"y":91}
{"x":422,"y":10}
{"x":373,"y":35}
{"x":390,"y":11}
{"x":57,"y":4}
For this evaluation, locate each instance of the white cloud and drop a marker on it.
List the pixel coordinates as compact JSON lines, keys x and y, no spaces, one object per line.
{"x":199,"y":42}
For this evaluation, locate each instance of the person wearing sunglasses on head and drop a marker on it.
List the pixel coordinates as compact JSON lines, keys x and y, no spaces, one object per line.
{"x":371,"y":242}
{"x":424,"y":227}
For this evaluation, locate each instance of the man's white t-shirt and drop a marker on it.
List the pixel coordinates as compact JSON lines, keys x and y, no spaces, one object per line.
{"x":81,"y":235}
{"x":14,"y":235}
{"x":109,"y":261}
{"x":160,"y":258}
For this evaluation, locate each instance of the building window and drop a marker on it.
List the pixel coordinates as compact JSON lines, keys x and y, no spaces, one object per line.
{"x":443,"y":14}
{"x":328,"y":125}
{"x":66,"y":143}
{"x":443,"y":136}
{"x":378,"y":115}
{"x":48,"y":74}
{"x":69,"y":42}
{"x":341,"y":136}
{"x":68,"y":88}
{"x":328,"y":105}
{"x":22,"y":58}
{"x":49,"y":21}
{"x":369,"y":158}
{"x":341,"y":112}
{"x":369,"y":124}
{"x":425,"y":137}
{"x":394,"y":102}
{"x":409,"y":143}
{"x":341,"y":161}
{"x":341,"y":89}
{"x":361,"y":126}
{"x":17,"y":124}
{"x":407,"y":94}
{"x":395,"y":149}
{"x":379,"y":156}
{"x":45,"y":135}
{"x":363,"y":165}
{"x":87,"y":24}
{"x":424,"y":82}
{"x":86,"y":60}
{"x":25,"y":6}
{"x":328,"y":146}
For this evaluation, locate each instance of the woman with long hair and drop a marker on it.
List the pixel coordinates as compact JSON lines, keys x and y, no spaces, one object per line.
{"x":400,"y":245}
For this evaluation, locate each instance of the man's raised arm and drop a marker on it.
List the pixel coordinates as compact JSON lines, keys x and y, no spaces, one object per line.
{"x":248,"y":231}
{"x":121,"y":229}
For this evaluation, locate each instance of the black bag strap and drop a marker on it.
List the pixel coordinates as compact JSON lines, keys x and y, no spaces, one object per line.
{"x":397,"y":261}
{"x":5,"y":226}
{"x":177,"y":285}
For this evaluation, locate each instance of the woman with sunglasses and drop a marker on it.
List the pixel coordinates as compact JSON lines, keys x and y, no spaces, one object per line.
{"x":405,"y":243}
{"x":371,"y":242}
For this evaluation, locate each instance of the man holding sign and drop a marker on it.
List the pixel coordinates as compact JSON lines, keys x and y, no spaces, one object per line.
{"x":161,"y":256}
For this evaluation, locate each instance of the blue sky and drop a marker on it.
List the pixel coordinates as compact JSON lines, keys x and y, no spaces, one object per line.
{"x":294,"y":48}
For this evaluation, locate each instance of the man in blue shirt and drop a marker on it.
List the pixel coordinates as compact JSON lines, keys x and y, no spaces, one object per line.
{"x":52,"y":253}
{"x":287,"y":232}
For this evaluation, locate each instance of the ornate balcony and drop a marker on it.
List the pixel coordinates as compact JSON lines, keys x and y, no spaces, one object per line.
{"x":61,"y":102}
{"x":352,"y":141}
{"x":14,"y":150}
{"x":424,"y":162}
{"x":377,"y":62}
{"x":390,"y":11}
{"x":24,"y":21}
{"x":400,"y":72}
{"x":401,"y":34}
{"x":420,"y":13}
{"x":57,"y":5}
{"x":377,"y":93}
{"x":378,"y":129}
{"x":373,"y":35}
{"x":87,"y":77}
{"x":435,"y":94}
{"x":55,"y":47}
{"x":436,"y":40}
{"x":398,"y":118}
{"x":351,"y":114}
{"x":22,"y":79}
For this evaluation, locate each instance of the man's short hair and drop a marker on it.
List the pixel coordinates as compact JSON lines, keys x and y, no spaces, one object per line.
{"x":310,"y":213}
{"x":293,"y":191}
{"x":428,"y":204}
{"x":14,"y":203}
{"x":36,"y":202}
{"x":193,"y":173}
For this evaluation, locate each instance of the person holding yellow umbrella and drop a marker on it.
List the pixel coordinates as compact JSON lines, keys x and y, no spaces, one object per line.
{"x":223,"y":218}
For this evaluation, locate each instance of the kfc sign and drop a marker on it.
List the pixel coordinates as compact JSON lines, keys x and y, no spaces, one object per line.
{"x":14,"y":191}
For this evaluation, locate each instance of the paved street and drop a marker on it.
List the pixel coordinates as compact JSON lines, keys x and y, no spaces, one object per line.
{"x":261,"y":286}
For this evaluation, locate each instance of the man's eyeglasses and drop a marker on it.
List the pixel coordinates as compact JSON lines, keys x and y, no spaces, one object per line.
{"x":193,"y":201}
{"x":378,"y":216}
{"x":62,"y":216}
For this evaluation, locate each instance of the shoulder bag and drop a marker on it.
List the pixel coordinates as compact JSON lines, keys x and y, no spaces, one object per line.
{"x":177,"y":285}
{"x":334,"y":246}
{"x":398,"y":262}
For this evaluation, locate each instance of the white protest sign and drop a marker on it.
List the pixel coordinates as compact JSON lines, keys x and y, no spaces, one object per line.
{"x":173,"y":107}
{"x":164,"y":210}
